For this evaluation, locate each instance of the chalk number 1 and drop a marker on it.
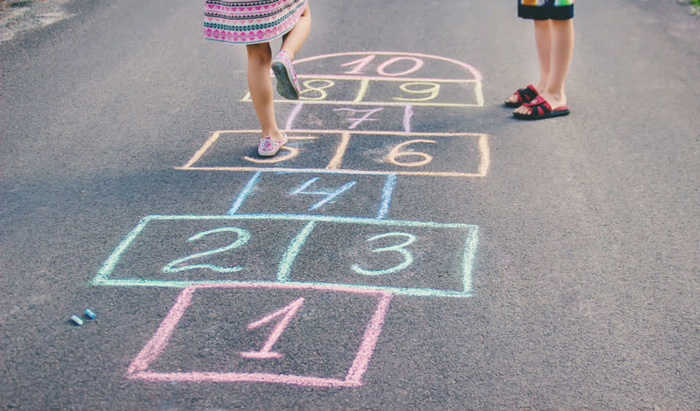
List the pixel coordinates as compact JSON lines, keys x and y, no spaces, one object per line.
{"x":287,"y":313}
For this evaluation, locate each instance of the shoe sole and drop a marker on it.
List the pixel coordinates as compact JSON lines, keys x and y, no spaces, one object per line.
{"x":285,"y":84}
{"x":555,"y":113}
{"x":266,"y":154}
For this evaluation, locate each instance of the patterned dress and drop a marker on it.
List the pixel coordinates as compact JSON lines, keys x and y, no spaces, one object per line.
{"x":546,"y":9}
{"x":250,"y":21}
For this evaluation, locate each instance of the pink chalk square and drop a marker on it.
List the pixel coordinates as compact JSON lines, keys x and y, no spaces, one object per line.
{"x":274,"y":325}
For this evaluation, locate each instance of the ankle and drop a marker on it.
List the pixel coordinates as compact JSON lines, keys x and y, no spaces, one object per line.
{"x":272,"y":132}
{"x":556,"y":95}
{"x":275,"y":135}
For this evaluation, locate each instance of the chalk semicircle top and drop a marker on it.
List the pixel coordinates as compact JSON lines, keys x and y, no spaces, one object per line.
{"x":386,"y":64}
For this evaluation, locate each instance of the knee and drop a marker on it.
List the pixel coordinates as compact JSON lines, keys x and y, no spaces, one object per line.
{"x":259,"y":55}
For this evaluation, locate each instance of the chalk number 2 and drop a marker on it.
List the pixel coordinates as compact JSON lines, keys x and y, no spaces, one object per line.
{"x":242,"y":237}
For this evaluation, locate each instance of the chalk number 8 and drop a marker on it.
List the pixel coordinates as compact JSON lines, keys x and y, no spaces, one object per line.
{"x":320,"y":91}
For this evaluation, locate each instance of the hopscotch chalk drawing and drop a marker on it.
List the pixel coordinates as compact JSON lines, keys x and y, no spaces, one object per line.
{"x":315,"y":195}
{"x":221,"y":250}
{"x":266,"y":286}
{"x":333,"y":151}
{"x":356,"y":79}
{"x":387,"y":79}
{"x":350,"y":367}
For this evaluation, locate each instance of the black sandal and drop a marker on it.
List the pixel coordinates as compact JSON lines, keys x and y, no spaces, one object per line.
{"x":525,"y":95}
{"x":540,"y":108}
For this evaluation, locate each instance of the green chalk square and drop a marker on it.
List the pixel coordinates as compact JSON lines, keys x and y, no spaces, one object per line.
{"x":285,"y":239}
{"x":403,"y":257}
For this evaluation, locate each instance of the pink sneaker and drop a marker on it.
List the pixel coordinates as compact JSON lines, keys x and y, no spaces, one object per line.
{"x":269,"y":147}
{"x":287,"y":84}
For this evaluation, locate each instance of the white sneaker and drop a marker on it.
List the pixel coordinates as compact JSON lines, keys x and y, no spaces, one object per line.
{"x":269,"y":147}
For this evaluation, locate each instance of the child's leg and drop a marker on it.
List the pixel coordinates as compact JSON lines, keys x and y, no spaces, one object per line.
{"x":543,"y":35}
{"x":260,"y":86}
{"x":561,"y":47}
{"x":296,"y":37}
{"x":562,"y":51}
{"x":543,"y":40}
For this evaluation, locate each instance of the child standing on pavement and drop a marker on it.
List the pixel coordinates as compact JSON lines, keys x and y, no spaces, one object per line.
{"x":554,"y":36}
{"x":255,"y":23}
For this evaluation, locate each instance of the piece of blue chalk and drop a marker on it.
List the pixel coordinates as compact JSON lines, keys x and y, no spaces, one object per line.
{"x":76,"y":320}
{"x":91,"y":315}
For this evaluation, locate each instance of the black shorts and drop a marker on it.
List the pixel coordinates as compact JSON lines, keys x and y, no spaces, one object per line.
{"x":546,"y":9}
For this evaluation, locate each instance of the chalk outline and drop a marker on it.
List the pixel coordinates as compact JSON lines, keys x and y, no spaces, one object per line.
{"x":482,"y":143}
{"x":158,"y":343}
{"x":387,"y":192}
{"x":328,"y":196}
{"x":469,"y":251}
{"x":287,"y":313}
{"x":473,"y":71}
{"x":360,"y":364}
{"x":364,"y":85}
{"x":477,"y":78}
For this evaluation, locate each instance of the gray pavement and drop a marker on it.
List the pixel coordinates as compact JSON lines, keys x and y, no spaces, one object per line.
{"x":545,"y":265}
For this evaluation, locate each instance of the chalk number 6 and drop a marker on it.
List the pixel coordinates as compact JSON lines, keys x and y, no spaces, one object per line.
{"x":400,"y":248}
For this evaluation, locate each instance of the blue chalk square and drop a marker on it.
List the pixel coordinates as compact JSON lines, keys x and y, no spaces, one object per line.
{"x":292,"y":193}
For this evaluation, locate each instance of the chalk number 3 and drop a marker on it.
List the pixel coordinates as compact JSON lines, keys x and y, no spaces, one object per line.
{"x":399,"y":248}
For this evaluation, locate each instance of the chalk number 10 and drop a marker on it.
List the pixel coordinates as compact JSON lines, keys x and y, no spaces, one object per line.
{"x":383,"y":69}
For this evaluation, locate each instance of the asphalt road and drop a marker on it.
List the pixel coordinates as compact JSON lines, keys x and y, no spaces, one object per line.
{"x":483,"y":263}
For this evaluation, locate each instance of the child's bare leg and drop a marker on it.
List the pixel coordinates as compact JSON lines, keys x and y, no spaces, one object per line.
{"x":260,"y":86}
{"x":543,"y":39}
{"x":296,"y":37}
{"x":543,"y":36}
{"x":561,"y":51}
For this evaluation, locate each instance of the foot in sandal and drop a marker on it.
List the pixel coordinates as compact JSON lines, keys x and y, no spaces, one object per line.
{"x":539,"y":109}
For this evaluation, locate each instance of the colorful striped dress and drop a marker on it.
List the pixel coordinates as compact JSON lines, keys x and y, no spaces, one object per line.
{"x":250,"y":21}
{"x":546,"y":9}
